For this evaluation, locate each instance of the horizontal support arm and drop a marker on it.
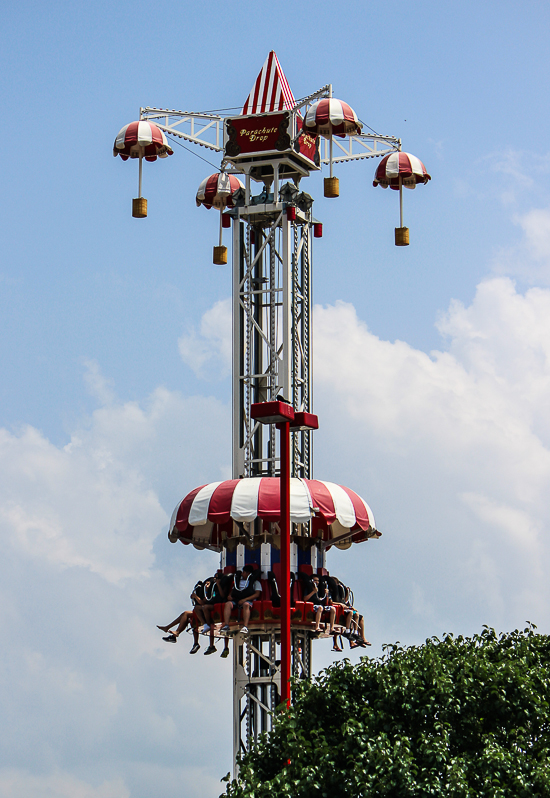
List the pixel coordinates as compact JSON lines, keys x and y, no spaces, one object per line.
{"x":203,"y":129}
{"x":356,"y":148}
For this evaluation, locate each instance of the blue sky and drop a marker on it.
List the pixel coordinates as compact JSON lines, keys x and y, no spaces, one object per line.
{"x":432,"y":366}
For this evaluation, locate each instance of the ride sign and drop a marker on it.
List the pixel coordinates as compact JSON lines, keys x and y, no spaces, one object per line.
{"x":260,"y":134}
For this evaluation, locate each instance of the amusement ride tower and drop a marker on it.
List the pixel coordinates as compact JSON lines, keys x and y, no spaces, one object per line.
{"x":274,"y":143}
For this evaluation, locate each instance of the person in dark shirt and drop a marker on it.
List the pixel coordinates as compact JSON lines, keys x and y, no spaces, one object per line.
{"x":322,"y":603}
{"x":215,"y":592}
{"x":246,"y":589}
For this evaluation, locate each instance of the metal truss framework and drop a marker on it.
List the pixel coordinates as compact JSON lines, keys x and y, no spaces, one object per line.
{"x":198,"y":128}
{"x":257,"y":682}
{"x":271,"y":356}
{"x":271,"y":353}
{"x":271,"y":329}
{"x":207,"y":130}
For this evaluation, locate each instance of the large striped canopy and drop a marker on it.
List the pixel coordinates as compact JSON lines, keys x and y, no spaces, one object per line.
{"x":271,"y":91}
{"x":217,"y":190}
{"x":212,"y":513}
{"x":141,"y":139}
{"x":402,"y":165}
{"x":330,"y":117}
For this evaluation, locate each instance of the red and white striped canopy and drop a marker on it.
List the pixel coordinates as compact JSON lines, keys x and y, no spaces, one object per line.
{"x":217,"y":190}
{"x":141,"y":139}
{"x":330,"y":117}
{"x":271,"y":91}
{"x":402,"y":165}
{"x":205,"y":517}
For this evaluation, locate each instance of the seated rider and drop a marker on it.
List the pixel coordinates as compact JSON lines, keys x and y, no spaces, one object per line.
{"x":355,"y":624}
{"x":322,"y":602}
{"x":186,"y":618}
{"x":216,"y":590}
{"x":246,"y":589}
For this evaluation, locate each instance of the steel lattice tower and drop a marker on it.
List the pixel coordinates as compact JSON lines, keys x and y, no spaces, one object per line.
{"x":268,"y":145}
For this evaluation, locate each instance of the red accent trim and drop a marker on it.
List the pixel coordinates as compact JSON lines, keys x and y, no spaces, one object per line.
{"x":272,"y":412}
{"x":219,"y":508}
{"x":361,"y":515}
{"x":182,"y":518}
{"x":211,"y":189}
{"x":303,"y":421}
{"x":131,"y":135}
{"x":405,"y":169}
{"x":269,"y":499}
{"x":156,"y":135}
{"x":289,"y":100}
{"x":285,"y":563}
{"x":380,"y":173}
{"x":266,"y":82}
{"x":323,"y":500}
{"x":349,"y":116}
{"x":322,"y":115}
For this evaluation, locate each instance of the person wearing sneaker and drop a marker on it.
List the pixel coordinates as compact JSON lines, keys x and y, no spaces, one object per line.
{"x":322,"y":602}
{"x":225,"y":652}
{"x":355,"y":623}
{"x":246,"y":589}
{"x":183,"y":621}
{"x":193,"y":618}
{"x":187,"y":618}
{"x":202,"y":600}
{"x":216,"y":589}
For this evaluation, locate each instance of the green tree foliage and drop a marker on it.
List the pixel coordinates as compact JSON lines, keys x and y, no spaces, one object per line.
{"x":458,"y":717}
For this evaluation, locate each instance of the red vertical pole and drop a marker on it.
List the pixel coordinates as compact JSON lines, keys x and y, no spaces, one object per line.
{"x":285,"y":562}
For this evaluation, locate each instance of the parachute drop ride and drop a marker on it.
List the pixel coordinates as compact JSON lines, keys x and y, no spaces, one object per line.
{"x":330,"y":117}
{"x":217,"y":191}
{"x":141,"y":139}
{"x":272,"y":514}
{"x":398,"y":170}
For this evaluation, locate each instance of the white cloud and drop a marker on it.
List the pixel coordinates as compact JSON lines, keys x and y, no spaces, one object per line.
{"x":452,"y":449}
{"x":20,"y":784}
{"x":458,"y":438}
{"x":81,"y":506}
{"x":520,"y":527}
{"x":536,"y":227}
{"x":208,"y":352}
{"x":98,"y":385}
{"x":94,"y":503}
{"x":529,"y":259}
{"x":88,"y":685}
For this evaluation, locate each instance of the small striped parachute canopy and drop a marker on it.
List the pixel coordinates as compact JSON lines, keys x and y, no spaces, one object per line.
{"x":330,"y":117}
{"x":400,"y":165}
{"x":217,"y":191}
{"x":208,"y":516}
{"x":141,"y":139}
